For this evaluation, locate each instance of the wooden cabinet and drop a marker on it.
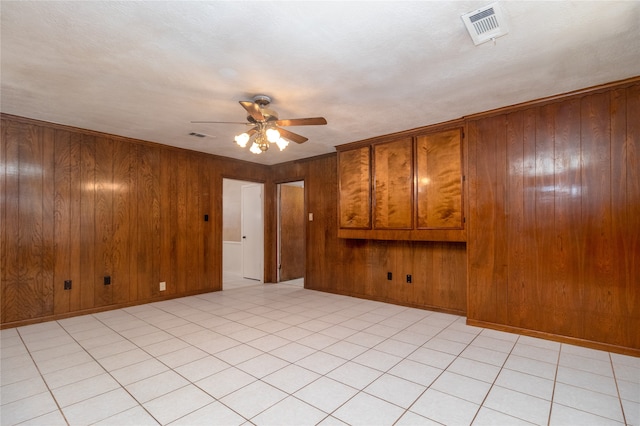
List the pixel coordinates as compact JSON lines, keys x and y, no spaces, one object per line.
{"x":439,"y":180}
{"x":403,"y":187}
{"x":354,"y":171}
{"x":393,"y":178}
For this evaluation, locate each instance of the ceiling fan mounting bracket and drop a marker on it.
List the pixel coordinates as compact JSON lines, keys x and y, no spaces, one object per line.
{"x":262,"y":100}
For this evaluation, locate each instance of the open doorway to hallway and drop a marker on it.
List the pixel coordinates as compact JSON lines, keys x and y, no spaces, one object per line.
{"x":242,"y":233}
{"x":291,"y":233}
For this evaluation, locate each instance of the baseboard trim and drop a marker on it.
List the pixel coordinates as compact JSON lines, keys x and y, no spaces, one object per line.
{"x":556,"y":338}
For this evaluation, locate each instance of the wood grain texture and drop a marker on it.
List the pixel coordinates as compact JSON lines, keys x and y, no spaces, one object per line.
{"x":536,"y":262}
{"x":487,"y":265}
{"x":292,"y":232}
{"x":147,"y":220}
{"x":358,"y":267}
{"x":439,"y":180}
{"x":393,"y":180}
{"x":48,"y":206}
{"x":628,"y":228}
{"x":80,"y":205}
{"x":103,"y":190}
{"x":11,"y":275}
{"x":355,"y":188}
{"x":62,"y":221}
{"x":571,"y":247}
{"x":596,"y":173}
{"x":121,"y":254}
{"x":87,"y":221}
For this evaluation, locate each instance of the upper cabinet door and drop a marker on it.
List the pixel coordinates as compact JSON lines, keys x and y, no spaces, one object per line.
{"x":439,"y":180}
{"x":354,"y":174}
{"x":393,"y":170}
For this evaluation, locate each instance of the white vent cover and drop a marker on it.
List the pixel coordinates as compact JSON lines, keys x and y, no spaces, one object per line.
{"x":486,"y":23}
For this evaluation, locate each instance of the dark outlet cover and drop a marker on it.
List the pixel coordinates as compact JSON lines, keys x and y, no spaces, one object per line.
{"x":389,"y":276}
{"x":206,"y":218}
{"x":409,"y":278}
{"x":67,"y":284}
{"x":107,"y":280}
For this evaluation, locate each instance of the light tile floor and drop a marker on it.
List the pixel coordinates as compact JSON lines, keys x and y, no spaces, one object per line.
{"x":279,"y":354}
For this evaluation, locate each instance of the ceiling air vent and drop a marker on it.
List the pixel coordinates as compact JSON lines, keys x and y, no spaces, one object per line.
{"x":486,"y":23}
{"x":198,"y":135}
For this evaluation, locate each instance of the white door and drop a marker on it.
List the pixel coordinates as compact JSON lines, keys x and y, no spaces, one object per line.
{"x":252,"y":232}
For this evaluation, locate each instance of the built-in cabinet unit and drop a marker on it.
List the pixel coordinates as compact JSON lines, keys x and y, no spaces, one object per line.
{"x":403,"y":187}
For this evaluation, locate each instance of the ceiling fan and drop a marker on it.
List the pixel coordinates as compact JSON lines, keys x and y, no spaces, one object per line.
{"x":267,"y":127}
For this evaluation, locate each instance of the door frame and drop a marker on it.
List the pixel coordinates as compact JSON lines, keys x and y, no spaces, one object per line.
{"x":221,"y":223}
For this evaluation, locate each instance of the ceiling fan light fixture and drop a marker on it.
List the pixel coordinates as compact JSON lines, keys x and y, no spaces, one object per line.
{"x":255,"y":148}
{"x":273,"y":135}
{"x":282,"y":143}
{"x":242,"y":139}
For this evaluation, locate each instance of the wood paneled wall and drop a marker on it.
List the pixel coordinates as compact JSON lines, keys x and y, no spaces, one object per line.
{"x":553,"y":243}
{"x":359,"y":267}
{"x":80,"y":206}
{"x":554,"y":228}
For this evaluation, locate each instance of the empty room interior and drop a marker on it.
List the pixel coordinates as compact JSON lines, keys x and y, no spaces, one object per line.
{"x":323,"y":213}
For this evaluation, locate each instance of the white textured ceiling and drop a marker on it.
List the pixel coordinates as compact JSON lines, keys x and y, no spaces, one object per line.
{"x":146,"y":69}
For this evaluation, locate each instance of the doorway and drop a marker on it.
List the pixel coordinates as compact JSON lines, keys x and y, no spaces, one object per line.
{"x":291,"y":232}
{"x":242,"y":233}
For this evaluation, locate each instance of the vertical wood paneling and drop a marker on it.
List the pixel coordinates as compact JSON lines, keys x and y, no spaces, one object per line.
{"x":121,"y":253}
{"x":194,"y":221}
{"x":62,"y":221}
{"x":5,"y":174}
{"x":165,"y":202}
{"x":31,"y":223}
{"x":47,"y":241}
{"x":519,"y":170}
{"x":79,"y":205}
{"x":148,"y":215}
{"x":12,"y":134}
{"x":180,"y":217}
{"x":597,"y":215}
{"x":103,"y":294}
{"x":567,"y":247}
{"x":75,"y":221}
{"x":571,"y":209}
{"x":629,"y":298}
{"x":208,"y":261}
{"x":547,"y":290}
{"x":487,"y":264}
{"x":87,"y":222}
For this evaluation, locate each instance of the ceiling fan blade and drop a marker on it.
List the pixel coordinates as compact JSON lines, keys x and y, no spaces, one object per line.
{"x":221,"y":122}
{"x":292,"y":136}
{"x":253,"y":109}
{"x":312,"y":121}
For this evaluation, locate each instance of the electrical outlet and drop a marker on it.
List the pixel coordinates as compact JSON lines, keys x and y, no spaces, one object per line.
{"x":107,"y":280}
{"x":409,"y":278}
{"x":163,"y":286}
{"x":67,"y":284}
{"x":389,"y":276}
